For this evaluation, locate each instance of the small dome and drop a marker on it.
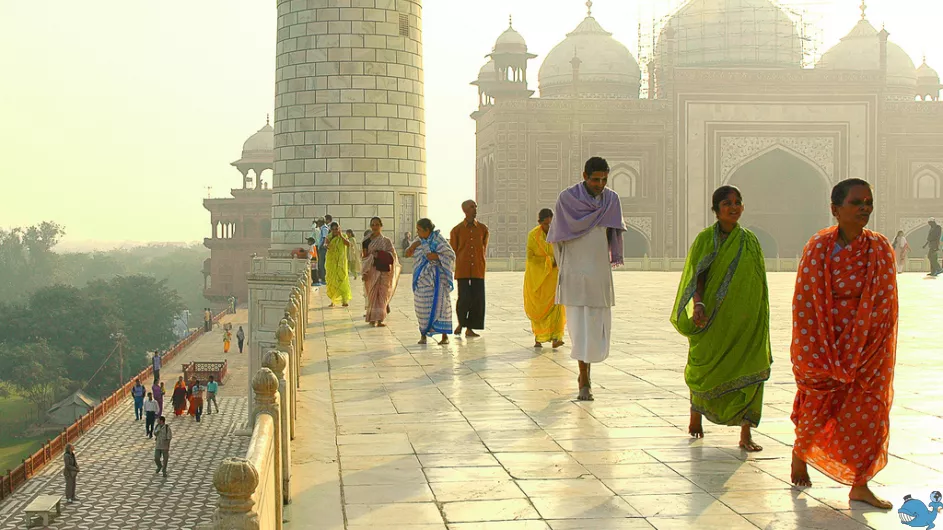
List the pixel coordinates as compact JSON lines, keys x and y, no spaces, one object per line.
{"x":732,"y":34}
{"x":861,"y":50}
{"x":260,"y":143}
{"x":488,"y":72}
{"x":607,"y":69}
{"x":925,"y":73}
{"x":510,"y":42}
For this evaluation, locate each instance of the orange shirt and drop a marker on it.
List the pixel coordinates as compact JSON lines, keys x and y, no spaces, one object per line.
{"x":470,"y":242}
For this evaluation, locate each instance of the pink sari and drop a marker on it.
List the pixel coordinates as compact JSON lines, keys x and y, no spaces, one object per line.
{"x":378,"y":287}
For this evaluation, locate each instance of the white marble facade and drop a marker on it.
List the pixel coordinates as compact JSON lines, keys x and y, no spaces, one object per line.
{"x":349,"y":116}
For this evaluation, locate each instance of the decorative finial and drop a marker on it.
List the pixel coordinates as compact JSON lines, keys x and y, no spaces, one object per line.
{"x":266,"y":119}
{"x":589,"y":8}
{"x":510,"y":21}
{"x":864,"y":8}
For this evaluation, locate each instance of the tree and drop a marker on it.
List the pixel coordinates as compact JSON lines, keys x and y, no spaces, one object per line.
{"x":26,"y":259}
{"x":36,"y":371}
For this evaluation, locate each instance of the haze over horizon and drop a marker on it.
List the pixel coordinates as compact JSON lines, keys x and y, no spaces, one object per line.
{"x":119,"y":116}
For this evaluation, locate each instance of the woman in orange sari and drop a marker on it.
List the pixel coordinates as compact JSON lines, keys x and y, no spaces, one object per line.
{"x":179,"y":397}
{"x":844,"y":348}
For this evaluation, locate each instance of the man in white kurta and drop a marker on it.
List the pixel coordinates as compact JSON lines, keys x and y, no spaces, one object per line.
{"x":587,"y":242}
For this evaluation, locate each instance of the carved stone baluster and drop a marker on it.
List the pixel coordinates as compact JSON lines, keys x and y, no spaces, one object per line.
{"x":276,"y":361}
{"x":265,"y":385}
{"x":236,"y":480}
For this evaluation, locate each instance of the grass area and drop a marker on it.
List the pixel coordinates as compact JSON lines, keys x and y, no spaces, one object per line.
{"x":15,"y":415}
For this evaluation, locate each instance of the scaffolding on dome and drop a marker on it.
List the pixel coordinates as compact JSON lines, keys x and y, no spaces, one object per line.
{"x":699,"y":31}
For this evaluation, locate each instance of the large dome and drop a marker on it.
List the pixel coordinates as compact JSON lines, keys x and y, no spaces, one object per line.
{"x":606,"y":68}
{"x":510,"y":42}
{"x":732,"y":34}
{"x":861,"y":50}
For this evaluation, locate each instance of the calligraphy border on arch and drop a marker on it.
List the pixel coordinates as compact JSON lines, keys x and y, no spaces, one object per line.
{"x":734,"y":150}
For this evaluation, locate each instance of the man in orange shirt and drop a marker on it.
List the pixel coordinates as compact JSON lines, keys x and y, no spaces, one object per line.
{"x":469,"y":239}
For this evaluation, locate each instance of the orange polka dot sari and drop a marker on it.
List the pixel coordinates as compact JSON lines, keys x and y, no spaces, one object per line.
{"x":843,"y":353}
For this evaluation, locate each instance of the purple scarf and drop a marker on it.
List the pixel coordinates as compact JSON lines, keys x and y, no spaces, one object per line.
{"x":577,"y":212}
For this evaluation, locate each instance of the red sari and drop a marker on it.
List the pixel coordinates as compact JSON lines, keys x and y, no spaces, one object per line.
{"x":843,"y":353}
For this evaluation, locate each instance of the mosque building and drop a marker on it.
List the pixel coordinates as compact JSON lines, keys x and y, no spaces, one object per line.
{"x":731,"y":99}
{"x":241,"y":224}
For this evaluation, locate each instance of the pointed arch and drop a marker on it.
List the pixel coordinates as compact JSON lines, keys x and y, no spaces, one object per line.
{"x":635,"y":243}
{"x":926,"y":183}
{"x":765,"y":151}
{"x":624,"y":180}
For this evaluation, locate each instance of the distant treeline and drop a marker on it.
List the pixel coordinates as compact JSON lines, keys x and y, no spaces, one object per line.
{"x":61,"y":314}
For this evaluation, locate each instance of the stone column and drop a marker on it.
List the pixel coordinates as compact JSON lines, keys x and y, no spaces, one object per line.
{"x":285,"y":336}
{"x":277,"y":361}
{"x":349,"y":116}
{"x":270,"y":282}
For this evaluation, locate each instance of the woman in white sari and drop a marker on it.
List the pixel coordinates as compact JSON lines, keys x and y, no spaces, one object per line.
{"x":432,"y":281}
{"x":381,"y":270}
{"x":901,"y":250}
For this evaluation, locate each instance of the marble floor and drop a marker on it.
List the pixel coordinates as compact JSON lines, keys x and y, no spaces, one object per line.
{"x":485,"y":433}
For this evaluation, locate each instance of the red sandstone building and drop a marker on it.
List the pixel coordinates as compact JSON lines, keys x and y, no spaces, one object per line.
{"x":241,"y":224}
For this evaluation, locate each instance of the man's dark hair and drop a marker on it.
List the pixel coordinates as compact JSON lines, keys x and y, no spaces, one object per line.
{"x":544,"y":213}
{"x":721,"y":193}
{"x":841,"y":190}
{"x":310,"y":240}
{"x":328,"y":218}
{"x":595,"y":164}
{"x":211,"y":378}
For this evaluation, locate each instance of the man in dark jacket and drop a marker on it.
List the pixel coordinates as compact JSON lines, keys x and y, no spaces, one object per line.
{"x":71,"y":472}
{"x":933,"y":242}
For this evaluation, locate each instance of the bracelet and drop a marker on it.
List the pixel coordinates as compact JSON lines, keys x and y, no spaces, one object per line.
{"x":700,"y":304}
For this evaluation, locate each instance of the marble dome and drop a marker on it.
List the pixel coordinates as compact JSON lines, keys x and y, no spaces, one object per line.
{"x":510,"y":42}
{"x":861,"y":50}
{"x":607,"y":68}
{"x":260,"y":143}
{"x":488,"y":72}
{"x":732,"y":34}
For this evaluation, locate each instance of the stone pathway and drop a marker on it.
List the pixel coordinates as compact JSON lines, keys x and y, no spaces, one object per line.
{"x":485,"y":433}
{"x":117,"y":487}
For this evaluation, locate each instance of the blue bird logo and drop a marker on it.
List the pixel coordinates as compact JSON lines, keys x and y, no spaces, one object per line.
{"x":916,"y":514}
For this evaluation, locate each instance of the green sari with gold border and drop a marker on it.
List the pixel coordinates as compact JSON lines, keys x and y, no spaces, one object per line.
{"x":729,"y":358}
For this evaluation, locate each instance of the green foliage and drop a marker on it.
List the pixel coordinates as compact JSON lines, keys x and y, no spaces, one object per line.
{"x":26,"y":259}
{"x":36,"y":370}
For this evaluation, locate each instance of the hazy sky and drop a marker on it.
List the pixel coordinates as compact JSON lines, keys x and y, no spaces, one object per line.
{"x":117,"y":115}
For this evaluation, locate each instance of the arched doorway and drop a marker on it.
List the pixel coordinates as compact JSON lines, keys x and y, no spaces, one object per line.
{"x":635,"y":244}
{"x":767,"y":242}
{"x":785,"y":197}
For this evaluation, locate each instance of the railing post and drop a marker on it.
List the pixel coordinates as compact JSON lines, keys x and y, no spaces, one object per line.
{"x":285,"y":337}
{"x":236,"y":480}
{"x":276,"y":361}
{"x":265,"y":386}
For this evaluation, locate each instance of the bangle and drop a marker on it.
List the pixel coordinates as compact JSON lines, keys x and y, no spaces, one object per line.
{"x":700,"y":304}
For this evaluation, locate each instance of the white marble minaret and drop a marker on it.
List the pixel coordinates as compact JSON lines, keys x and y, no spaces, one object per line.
{"x":349,"y":117}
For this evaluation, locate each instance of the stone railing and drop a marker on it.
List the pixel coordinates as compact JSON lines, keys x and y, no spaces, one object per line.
{"x":253,"y":490}
{"x":517,"y":263}
{"x":250,"y":488}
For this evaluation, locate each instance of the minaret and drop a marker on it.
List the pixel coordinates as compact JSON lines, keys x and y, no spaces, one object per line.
{"x":349,"y":117}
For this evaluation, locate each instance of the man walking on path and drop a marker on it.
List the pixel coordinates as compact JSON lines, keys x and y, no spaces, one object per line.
{"x":155,"y":363}
{"x":162,"y":436}
{"x":207,"y":320}
{"x":586,"y":233}
{"x":137,"y":392}
{"x":71,"y":472}
{"x":211,"y":388}
{"x":150,"y":414}
{"x":469,"y":240}
{"x":933,"y":241}
{"x":240,"y":338}
{"x":322,"y":248}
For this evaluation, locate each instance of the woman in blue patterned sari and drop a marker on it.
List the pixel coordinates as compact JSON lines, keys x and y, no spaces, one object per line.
{"x":432,"y":281}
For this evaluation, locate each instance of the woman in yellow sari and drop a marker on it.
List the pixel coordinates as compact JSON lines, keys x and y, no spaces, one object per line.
{"x":335,"y":264}
{"x":547,"y":318}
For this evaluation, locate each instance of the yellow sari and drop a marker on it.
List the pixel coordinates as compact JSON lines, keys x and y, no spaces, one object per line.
{"x":547,"y":318}
{"x":335,"y":267}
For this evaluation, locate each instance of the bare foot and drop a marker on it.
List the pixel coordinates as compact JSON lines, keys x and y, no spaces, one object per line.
{"x":585,"y":394}
{"x":346,"y":304}
{"x":864,"y":494}
{"x":422,"y":340}
{"x":538,"y":345}
{"x":458,"y":330}
{"x":746,"y":440}
{"x":445,"y":339}
{"x":696,"y":427}
{"x":800,"y":472}
{"x":380,"y":324}
{"x":556,"y":343}
{"x":470,"y":333}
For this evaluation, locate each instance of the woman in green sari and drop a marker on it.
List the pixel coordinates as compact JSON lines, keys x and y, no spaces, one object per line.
{"x":338,"y":282}
{"x":722,"y":307}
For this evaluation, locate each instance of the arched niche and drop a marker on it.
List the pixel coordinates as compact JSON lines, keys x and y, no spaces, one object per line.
{"x":926,"y":183}
{"x":635,"y":244}
{"x":785,"y":196}
{"x":624,"y":180}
